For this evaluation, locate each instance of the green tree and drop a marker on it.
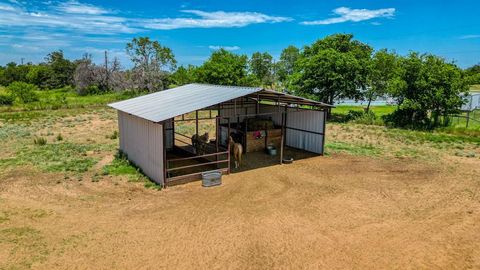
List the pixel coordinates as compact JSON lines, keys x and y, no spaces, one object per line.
{"x":23,"y":92}
{"x":427,"y":90}
{"x":153,"y":63}
{"x":224,"y":68}
{"x":184,"y":75}
{"x":383,"y":69}
{"x":333,"y":68}
{"x":261,"y":66}
{"x":288,"y":58}
{"x":62,"y":70}
{"x":14,"y":73}
{"x":473,"y":74}
{"x":40,"y":75}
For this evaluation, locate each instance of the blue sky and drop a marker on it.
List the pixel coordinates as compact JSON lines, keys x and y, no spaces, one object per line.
{"x":31,"y":29}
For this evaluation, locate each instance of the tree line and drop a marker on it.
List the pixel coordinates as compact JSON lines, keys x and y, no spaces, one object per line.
{"x":425,"y":87}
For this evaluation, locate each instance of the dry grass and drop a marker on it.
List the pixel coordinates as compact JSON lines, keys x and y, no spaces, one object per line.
{"x":350,"y":209}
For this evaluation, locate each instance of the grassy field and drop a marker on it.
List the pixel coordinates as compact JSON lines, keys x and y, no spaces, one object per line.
{"x":379,"y":198}
{"x":66,"y":98}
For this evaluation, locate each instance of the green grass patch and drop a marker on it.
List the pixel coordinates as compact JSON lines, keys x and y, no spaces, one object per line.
{"x":27,"y":246}
{"x":352,"y":149}
{"x":66,"y":98}
{"x":434,"y":137}
{"x":14,"y":131}
{"x":62,"y":157}
{"x":378,"y":110}
{"x":122,"y":166}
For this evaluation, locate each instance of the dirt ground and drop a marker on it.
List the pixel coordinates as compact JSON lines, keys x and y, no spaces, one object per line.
{"x":323,"y":212}
{"x":332,"y":212}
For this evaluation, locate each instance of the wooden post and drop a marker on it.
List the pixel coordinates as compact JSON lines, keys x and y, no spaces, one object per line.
{"x":228,"y":144}
{"x":281,"y":143}
{"x":468,"y":117}
{"x":217,"y":137}
{"x":173,"y":133}
{"x":196,"y":122}
{"x":286,"y":113}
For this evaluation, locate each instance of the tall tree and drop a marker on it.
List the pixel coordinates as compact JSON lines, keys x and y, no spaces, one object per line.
{"x":224,"y":68}
{"x":427,"y":89}
{"x":285,"y":67}
{"x":153,"y":62}
{"x":261,"y":66}
{"x":383,"y":69}
{"x":184,"y":75}
{"x":333,"y":68}
{"x":62,"y":70}
{"x":473,"y":74}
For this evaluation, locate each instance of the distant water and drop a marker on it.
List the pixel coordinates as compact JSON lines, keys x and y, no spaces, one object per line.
{"x":350,"y":102}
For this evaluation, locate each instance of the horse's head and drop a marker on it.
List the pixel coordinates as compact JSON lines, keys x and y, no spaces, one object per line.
{"x":206,"y":137}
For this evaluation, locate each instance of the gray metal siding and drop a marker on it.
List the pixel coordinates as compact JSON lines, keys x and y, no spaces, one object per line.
{"x":309,"y":120}
{"x":142,"y":141}
{"x":472,"y":102}
{"x":230,"y":112}
{"x":306,"y":120}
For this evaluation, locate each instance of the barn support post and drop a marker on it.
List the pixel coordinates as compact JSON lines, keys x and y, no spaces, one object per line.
{"x":164,"y":150}
{"x":196,"y":122}
{"x":283,"y":138}
{"x":324,"y":131}
{"x":468,"y":118}
{"x":286,"y":112}
{"x":228,"y":144}
{"x":217,"y":136}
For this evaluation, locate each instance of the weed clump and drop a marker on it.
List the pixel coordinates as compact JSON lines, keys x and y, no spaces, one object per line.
{"x":113,"y":136}
{"x":39,"y":141}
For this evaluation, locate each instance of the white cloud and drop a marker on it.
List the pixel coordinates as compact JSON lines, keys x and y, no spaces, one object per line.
{"x":213,"y":19}
{"x":86,"y":18}
{"x":470,"y":37}
{"x":228,"y":48}
{"x":21,"y":18}
{"x":75,"y":7}
{"x":6,"y":7}
{"x":346,"y":14}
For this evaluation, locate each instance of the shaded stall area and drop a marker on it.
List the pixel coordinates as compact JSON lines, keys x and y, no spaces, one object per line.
{"x":194,"y":124}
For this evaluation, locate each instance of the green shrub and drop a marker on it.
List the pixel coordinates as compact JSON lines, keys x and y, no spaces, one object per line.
{"x":6,"y":99}
{"x":40,"y":141}
{"x":59,"y":137}
{"x":114,"y":135}
{"x":363,"y":117}
{"x":23,"y":92}
{"x":353,"y":114}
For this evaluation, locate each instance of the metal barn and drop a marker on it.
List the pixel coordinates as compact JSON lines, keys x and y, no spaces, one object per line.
{"x":149,"y":135}
{"x":472,"y":102}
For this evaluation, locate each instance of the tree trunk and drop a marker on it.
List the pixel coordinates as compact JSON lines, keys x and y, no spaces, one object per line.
{"x":368,"y":105}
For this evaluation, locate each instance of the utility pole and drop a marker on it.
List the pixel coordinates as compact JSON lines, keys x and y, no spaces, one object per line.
{"x":106,"y":71}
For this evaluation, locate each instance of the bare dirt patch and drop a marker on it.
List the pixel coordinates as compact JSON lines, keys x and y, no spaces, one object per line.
{"x":321,"y":212}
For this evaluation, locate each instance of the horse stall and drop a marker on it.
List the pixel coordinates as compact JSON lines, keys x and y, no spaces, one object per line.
{"x":177,"y":134}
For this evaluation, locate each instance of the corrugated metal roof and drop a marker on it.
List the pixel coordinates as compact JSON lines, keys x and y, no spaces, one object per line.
{"x":169,"y":103}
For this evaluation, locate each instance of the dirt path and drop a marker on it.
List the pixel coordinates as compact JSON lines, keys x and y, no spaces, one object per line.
{"x":322,"y":212}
